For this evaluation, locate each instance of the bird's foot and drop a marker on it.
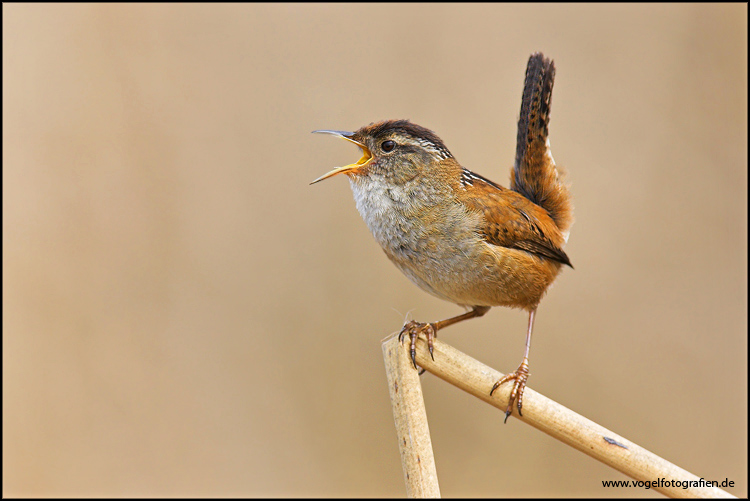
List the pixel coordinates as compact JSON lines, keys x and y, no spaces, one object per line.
{"x":516,"y":394}
{"x":414,"y":329}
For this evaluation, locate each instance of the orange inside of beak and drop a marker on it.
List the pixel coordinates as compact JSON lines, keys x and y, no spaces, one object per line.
{"x":366,"y":157}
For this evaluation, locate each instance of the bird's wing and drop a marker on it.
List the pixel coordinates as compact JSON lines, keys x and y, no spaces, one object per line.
{"x":511,"y":220}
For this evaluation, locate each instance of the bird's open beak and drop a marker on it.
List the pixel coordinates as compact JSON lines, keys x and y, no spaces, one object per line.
{"x":366,"y":155}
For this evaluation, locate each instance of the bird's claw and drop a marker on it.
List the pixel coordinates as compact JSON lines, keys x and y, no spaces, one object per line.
{"x":516,"y":394}
{"x":414,"y":329}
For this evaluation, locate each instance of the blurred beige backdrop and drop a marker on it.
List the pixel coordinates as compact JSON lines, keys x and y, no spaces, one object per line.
{"x":185,"y":315}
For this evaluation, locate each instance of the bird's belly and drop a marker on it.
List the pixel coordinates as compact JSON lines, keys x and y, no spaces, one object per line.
{"x":496,"y":277}
{"x":439,"y":249}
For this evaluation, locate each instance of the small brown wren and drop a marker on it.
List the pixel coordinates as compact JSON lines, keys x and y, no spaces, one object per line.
{"x":458,"y":235}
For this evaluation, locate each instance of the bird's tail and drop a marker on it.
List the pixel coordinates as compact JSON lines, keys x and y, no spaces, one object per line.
{"x":534,"y":174}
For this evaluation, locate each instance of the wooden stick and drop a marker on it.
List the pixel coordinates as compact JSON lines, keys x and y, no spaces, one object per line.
{"x":410,"y":416}
{"x":561,"y":423}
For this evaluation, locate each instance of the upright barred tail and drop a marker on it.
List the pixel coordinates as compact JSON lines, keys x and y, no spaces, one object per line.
{"x":534,"y":174}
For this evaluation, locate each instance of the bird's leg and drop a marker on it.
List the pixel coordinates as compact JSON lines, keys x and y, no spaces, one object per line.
{"x":430,"y":330}
{"x":519,"y":376}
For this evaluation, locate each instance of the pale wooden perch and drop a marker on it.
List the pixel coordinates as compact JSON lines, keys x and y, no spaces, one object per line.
{"x":540,"y":412}
{"x":411,"y":423}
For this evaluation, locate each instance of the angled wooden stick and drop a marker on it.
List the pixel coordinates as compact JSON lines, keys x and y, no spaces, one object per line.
{"x":410,"y":416}
{"x":552,"y":418}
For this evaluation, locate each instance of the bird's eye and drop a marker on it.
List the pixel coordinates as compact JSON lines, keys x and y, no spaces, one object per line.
{"x":388,"y":145}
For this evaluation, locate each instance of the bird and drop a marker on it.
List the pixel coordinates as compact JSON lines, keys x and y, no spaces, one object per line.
{"x":458,"y":235}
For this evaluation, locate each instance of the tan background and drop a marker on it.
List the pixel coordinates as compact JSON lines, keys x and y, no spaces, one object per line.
{"x":185,"y":315}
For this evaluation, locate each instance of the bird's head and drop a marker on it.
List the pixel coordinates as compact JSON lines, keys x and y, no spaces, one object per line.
{"x":395,"y":150}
